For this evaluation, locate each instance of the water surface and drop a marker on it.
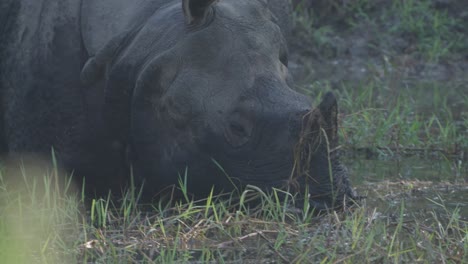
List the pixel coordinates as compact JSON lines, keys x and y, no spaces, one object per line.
{"x":422,"y":185}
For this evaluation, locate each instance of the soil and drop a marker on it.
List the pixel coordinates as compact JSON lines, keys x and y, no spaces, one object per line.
{"x":352,"y":45}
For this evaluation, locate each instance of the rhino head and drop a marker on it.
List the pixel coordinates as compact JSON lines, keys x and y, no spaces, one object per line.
{"x":204,"y":88}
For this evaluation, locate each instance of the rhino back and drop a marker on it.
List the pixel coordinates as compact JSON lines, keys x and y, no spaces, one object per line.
{"x":42,"y":101}
{"x":8,"y":13}
{"x":102,"y":20}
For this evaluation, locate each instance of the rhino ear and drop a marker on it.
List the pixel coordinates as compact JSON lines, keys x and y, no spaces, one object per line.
{"x":329,"y":112}
{"x":196,"y":10}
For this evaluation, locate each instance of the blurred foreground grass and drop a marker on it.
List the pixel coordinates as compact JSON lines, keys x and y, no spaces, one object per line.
{"x":40,"y":222}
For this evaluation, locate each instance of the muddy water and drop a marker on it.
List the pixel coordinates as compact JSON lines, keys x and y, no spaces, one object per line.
{"x":422,"y":185}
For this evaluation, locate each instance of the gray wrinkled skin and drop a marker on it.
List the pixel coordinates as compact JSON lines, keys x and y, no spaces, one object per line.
{"x":166,"y":86}
{"x":282,"y":10}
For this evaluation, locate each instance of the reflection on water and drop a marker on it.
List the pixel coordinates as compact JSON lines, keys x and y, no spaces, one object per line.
{"x":424,"y":185}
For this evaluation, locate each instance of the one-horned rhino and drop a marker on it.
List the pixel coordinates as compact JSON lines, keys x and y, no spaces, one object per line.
{"x":173,"y":87}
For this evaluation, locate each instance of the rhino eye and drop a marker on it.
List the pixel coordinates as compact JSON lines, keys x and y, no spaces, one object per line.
{"x":238,"y":132}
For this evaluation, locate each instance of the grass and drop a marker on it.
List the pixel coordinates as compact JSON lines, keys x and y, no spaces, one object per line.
{"x":387,"y":62}
{"x":397,"y":124}
{"x":44,"y":225}
{"x":431,"y":28}
{"x":428,"y":31}
{"x":391,"y":113}
{"x":37,"y":217}
{"x":416,"y":119}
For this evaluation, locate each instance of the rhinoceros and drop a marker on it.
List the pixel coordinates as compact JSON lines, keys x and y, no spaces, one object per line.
{"x":164,"y":89}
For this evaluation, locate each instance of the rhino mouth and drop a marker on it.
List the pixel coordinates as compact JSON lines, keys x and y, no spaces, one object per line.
{"x":268,"y":173}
